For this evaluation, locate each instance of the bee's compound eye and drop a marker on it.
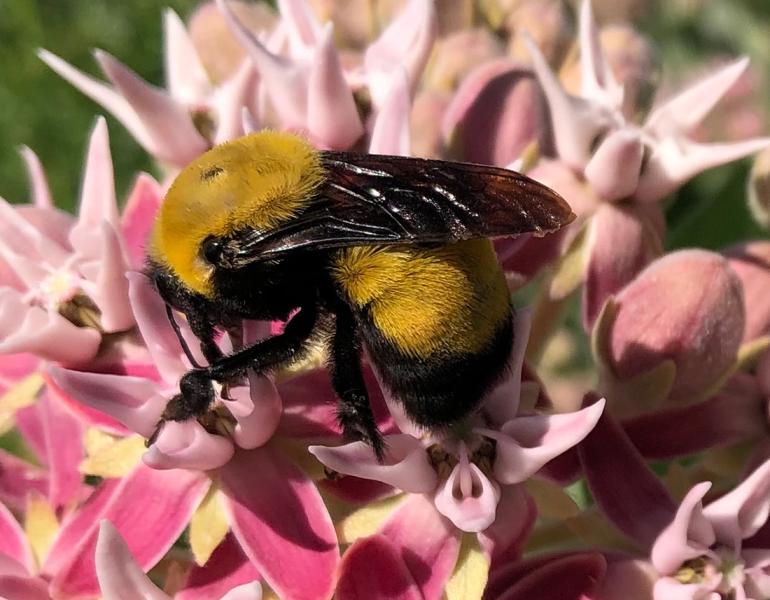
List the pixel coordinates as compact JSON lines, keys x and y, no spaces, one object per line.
{"x":212,"y":250}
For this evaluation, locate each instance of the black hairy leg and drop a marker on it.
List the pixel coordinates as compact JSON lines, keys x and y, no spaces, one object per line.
{"x":354,"y":411}
{"x":196,"y":392}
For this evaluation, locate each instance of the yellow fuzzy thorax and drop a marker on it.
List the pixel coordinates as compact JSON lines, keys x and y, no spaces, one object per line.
{"x":260,"y":180}
{"x":448,"y":299}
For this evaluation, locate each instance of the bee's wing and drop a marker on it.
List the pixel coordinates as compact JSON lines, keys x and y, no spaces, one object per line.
{"x":372,"y":199}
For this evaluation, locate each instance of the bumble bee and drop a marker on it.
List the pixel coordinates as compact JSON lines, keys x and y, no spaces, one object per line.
{"x":391,"y":253}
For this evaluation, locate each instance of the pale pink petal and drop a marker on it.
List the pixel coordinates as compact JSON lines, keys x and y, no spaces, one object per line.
{"x":468,"y":498}
{"x":502,"y":404}
{"x":13,"y":542}
{"x":516,"y":513}
{"x":597,"y":80}
{"x":614,"y":168}
{"x":571,"y":577}
{"x":109,"y":286}
{"x":167,"y":123}
{"x":674,"y":161}
{"x":23,"y":588}
{"x":683,"y":112}
{"x":226,"y":569}
{"x":575,"y":122}
{"x":391,"y":131}
{"x":525,"y":444}
{"x":187,"y":445}
{"x":14,"y":367}
{"x":152,"y":320}
{"x":41,"y":193}
{"x":245,"y":591}
{"x":405,"y":466}
{"x":186,"y":77}
{"x":259,"y":416}
{"x":18,"y":479}
{"x":138,"y":216}
{"x":133,"y":401}
{"x":622,"y":484}
{"x":150,"y":509}
{"x":287,"y":88}
{"x":103,"y":95}
{"x":21,"y":236}
{"x":281,"y":523}
{"x":11,"y":567}
{"x":309,"y":407}
{"x":332,"y":116}
{"x":740,"y":513}
{"x":303,"y":29}
{"x":407,"y":43}
{"x":670,"y":588}
{"x":119,"y":575}
{"x":372,"y":568}
{"x":97,"y":197}
{"x":231,"y":101}
{"x":55,"y":224}
{"x":63,"y":436}
{"x":687,"y":536}
{"x":427,"y":542}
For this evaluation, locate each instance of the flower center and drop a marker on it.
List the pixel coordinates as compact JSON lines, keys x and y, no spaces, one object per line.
{"x":722,"y":565}
{"x":58,"y":288}
{"x":444,"y":459}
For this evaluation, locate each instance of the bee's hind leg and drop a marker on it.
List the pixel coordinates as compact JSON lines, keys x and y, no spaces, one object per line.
{"x":354,"y":411}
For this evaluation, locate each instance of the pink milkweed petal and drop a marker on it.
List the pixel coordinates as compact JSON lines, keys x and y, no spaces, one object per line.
{"x":391,"y":130}
{"x":468,"y":498}
{"x":97,"y":197}
{"x":245,"y":591}
{"x":149,"y":508}
{"x":138,"y":216}
{"x":405,"y":466}
{"x":18,"y":479}
{"x":332,"y":116}
{"x":356,"y":490}
{"x":14,"y":367}
{"x":186,"y":77}
{"x":109,"y":288}
{"x":25,"y":239}
{"x":226,"y":569}
{"x":41,"y":192}
{"x":187,"y":445}
{"x":372,"y":568}
{"x":628,"y":579}
{"x":688,"y":535}
{"x":622,"y":484}
{"x":597,"y":80}
{"x":133,"y":401}
{"x":23,"y":588}
{"x":571,"y":577}
{"x":53,"y":223}
{"x":525,"y":444}
{"x":670,"y":588}
{"x":614,"y":167}
{"x":303,"y":29}
{"x":13,"y":542}
{"x":282,"y":524}
{"x":427,"y":542}
{"x":167,"y":123}
{"x":740,"y":513}
{"x":231,"y":102}
{"x":258,"y":422}
{"x":118,"y":574}
{"x":516,"y":513}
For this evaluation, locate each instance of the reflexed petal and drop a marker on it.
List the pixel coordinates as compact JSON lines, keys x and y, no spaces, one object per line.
{"x":332,"y":115}
{"x":119,"y":575}
{"x":687,"y":536}
{"x":226,"y":569}
{"x":282,"y":524}
{"x":150,"y":509}
{"x":427,"y":542}
{"x":626,"y":490}
{"x":406,"y":42}
{"x":740,"y":513}
{"x":628,"y":579}
{"x":41,"y":193}
{"x":13,"y":542}
{"x":109,"y":289}
{"x":18,"y":479}
{"x":245,"y":591}
{"x":597,"y":79}
{"x":525,"y":444}
{"x":231,"y":101}
{"x":133,"y":401}
{"x":391,"y":131}
{"x":25,"y":239}
{"x":516,"y":513}
{"x":23,"y":588}
{"x":187,"y":445}
{"x":138,"y":216}
{"x":372,"y":568}
{"x":468,"y":498}
{"x":614,"y":168}
{"x":186,"y":76}
{"x":406,"y":465}
{"x":167,"y":123}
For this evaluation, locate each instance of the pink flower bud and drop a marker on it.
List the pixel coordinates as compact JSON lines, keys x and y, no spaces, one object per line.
{"x":686,"y":307}
{"x":751,"y":262}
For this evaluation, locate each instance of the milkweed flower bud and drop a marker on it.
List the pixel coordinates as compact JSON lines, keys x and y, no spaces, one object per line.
{"x":686,"y":308}
{"x":751,"y":263}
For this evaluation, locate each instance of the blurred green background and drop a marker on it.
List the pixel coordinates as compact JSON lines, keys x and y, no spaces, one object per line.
{"x":39,"y":109}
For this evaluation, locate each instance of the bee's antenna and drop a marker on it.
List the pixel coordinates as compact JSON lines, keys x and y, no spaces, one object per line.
{"x":180,"y":337}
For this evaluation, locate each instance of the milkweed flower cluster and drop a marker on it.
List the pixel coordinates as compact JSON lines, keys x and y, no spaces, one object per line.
{"x":546,"y":491}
